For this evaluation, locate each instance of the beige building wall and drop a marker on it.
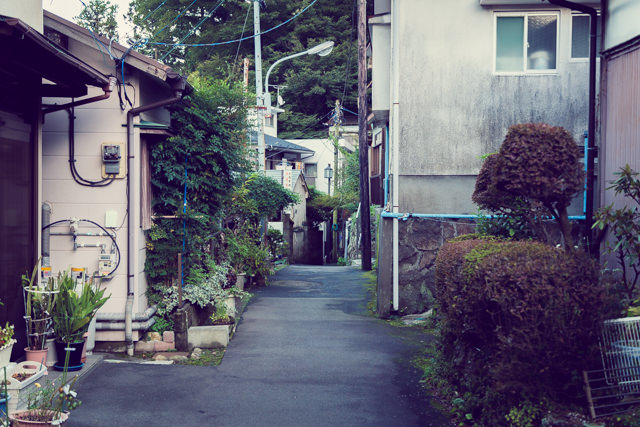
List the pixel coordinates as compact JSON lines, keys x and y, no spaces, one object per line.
{"x":28,"y":11}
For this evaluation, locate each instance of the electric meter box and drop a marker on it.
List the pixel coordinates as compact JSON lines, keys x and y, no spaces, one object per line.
{"x":106,"y":264}
{"x":112,"y":160}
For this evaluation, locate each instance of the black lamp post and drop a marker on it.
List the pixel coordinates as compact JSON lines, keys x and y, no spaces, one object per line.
{"x":328,"y":174}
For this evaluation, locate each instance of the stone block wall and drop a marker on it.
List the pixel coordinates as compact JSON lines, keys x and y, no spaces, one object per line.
{"x":419,"y":242}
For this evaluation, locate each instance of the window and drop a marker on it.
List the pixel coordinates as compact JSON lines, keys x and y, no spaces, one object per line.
{"x":526,"y":42}
{"x":311,"y":170}
{"x":580,"y":36}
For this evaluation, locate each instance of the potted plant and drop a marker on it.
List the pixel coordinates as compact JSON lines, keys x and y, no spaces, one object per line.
{"x":48,"y":405}
{"x":38,"y":306}
{"x":6,"y":343}
{"x":72,"y":313}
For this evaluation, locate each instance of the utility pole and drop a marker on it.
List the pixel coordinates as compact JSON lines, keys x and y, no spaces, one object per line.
{"x":365,"y":219}
{"x":257,"y":45}
{"x":337,"y":121}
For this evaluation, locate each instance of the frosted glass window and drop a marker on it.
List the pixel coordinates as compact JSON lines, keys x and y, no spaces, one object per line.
{"x":526,"y":42}
{"x":311,"y":170}
{"x":510,"y":43}
{"x":542,"y":34}
{"x":580,"y":36}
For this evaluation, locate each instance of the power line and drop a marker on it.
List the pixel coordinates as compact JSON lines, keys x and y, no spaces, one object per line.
{"x":236,"y":40}
{"x":194,"y":28}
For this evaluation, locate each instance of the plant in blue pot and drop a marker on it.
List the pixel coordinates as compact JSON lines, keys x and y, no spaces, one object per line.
{"x":76,"y":304}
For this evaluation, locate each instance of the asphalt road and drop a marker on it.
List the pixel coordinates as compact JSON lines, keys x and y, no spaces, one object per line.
{"x":305,"y":354}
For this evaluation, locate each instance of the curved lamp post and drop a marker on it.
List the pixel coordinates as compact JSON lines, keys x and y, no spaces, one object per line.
{"x":323,"y":49}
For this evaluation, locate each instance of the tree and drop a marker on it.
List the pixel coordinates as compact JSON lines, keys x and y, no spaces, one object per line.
{"x":99,"y":16}
{"x":538,"y":165}
{"x":309,"y":84}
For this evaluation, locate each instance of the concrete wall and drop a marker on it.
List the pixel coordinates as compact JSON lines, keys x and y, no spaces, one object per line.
{"x":454,"y":108}
{"x":622,"y":22}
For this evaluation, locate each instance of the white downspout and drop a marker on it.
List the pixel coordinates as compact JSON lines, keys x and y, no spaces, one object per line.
{"x":395,"y":150}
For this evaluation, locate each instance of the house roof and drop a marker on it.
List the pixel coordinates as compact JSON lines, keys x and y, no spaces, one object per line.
{"x":131,"y":57}
{"x":28,"y":56}
{"x":273,"y":143}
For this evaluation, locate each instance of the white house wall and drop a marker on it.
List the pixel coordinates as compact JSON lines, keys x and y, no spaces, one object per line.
{"x":453,"y":109}
{"x":98,"y":122}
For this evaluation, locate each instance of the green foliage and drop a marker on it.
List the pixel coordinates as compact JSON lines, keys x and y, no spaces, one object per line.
{"x":343,"y":261}
{"x":203,"y":158}
{"x":312,"y":83}
{"x":624,"y":224}
{"x":74,"y":309}
{"x":320,"y":206}
{"x":348,"y":192}
{"x":99,"y":16}
{"x":519,"y":321}
{"x":276,"y":245}
{"x":525,"y":415}
{"x":535,"y":175}
{"x":268,"y":195}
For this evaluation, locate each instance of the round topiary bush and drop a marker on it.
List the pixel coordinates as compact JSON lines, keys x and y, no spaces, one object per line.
{"x":519,"y":322}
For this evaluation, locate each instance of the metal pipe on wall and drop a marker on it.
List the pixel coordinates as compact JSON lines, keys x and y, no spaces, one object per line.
{"x":178,"y":85}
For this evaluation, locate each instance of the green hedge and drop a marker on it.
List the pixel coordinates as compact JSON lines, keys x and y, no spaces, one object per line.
{"x":519,"y":322}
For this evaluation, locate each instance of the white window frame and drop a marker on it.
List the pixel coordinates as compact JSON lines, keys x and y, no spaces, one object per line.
{"x":525,"y":15}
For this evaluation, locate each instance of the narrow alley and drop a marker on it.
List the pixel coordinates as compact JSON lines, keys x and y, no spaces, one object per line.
{"x":305,"y":354}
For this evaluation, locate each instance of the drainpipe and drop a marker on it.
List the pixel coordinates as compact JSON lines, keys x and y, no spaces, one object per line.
{"x":178,"y":84}
{"x":592,"y":150}
{"x":107,"y":93}
{"x":45,"y":250}
{"x":395,"y":128}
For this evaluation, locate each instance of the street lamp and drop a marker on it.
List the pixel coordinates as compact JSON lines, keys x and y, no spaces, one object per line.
{"x":323,"y":49}
{"x":328,"y":174}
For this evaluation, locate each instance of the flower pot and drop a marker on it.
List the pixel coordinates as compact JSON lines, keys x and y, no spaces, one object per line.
{"x":75,"y":355}
{"x":39,"y":356}
{"x":5,"y":355}
{"x":4,"y":399}
{"x":21,"y":419}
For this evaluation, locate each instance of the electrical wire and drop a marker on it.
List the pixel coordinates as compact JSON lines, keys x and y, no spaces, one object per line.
{"x":241,"y":35}
{"x":72,"y":161}
{"x":194,"y":28}
{"x":175,"y":19}
{"x":348,"y":68}
{"x":236,"y":40}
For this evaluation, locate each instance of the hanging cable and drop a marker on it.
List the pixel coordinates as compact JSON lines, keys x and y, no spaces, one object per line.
{"x":236,"y":40}
{"x":72,"y":161}
{"x":241,"y":35}
{"x":193,"y":29}
{"x":348,"y":68}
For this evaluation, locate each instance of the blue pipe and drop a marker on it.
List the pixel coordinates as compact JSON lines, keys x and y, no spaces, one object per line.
{"x":405,"y":216}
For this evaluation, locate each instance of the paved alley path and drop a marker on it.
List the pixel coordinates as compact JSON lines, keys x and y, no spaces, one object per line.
{"x":304,"y":354}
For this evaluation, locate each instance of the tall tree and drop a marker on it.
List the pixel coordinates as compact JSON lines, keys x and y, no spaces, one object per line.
{"x":309,"y":84}
{"x":100,"y":17}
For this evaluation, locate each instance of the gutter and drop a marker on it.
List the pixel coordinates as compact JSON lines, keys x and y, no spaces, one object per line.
{"x":107,"y":93}
{"x":178,"y":84}
{"x":592,"y":150}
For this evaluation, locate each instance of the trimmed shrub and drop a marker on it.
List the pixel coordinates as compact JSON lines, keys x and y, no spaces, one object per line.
{"x":519,"y":322}
{"x":535,"y":175}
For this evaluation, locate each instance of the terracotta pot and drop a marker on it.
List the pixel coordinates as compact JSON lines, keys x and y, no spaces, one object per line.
{"x":39,"y":356}
{"x":18,"y":419}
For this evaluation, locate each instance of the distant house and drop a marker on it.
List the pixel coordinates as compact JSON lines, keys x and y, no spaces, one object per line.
{"x":95,"y":181}
{"x":32,"y":67}
{"x":448,"y":79}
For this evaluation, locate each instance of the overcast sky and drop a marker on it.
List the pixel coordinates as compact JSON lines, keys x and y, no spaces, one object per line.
{"x":70,"y":8}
